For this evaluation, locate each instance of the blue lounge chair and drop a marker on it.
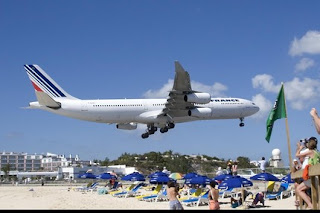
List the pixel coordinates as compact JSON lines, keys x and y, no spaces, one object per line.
{"x":284,"y":191}
{"x":226,"y":193}
{"x":87,"y":188}
{"x":162,"y":195}
{"x":134,"y":191}
{"x":196,"y":201}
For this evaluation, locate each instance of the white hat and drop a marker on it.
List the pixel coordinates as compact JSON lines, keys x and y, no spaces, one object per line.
{"x":295,"y":160}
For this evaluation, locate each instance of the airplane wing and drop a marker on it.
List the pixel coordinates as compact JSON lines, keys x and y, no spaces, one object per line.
{"x":176,"y":106}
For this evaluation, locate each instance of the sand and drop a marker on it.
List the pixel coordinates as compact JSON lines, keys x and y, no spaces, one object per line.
{"x":60,"y":197}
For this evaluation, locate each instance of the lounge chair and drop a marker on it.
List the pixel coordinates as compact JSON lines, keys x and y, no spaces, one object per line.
{"x":226,"y":193}
{"x":132,"y":192}
{"x":195,"y":194}
{"x":162,"y":195}
{"x":92,"y":187}
{"x":124,"y":190}
{"x":196,"y":201}
{"x":155,"y":192}
{"x":284,"y":191}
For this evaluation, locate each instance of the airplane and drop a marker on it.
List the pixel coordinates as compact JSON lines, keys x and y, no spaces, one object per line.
{"x":182,"y":105}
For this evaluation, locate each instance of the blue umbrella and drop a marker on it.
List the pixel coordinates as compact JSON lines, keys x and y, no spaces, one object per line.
{"x":156,"y":174}
{"x":135,"y":176}
{"x":190,"y":175}
{"x":106,"y":176}
{"x":235,"y":182}
{"x":222,"y":177}
{"x":265,"y":176}
{"x":201,"y":180}
{"x":287,"y":179}
{"x":87,"y":175}
{"x":160,"y":179}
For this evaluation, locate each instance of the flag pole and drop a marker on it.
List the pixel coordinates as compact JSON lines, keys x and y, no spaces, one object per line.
{"x":287,"y":131}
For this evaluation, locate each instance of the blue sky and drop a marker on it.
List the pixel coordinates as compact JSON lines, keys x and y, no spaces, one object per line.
{"x":126,"y":49}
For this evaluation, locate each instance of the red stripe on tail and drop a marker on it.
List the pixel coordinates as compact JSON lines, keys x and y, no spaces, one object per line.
{"x":36,"y":87}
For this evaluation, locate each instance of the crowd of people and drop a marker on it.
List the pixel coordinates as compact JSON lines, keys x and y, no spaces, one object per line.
{"x":307,"y":155}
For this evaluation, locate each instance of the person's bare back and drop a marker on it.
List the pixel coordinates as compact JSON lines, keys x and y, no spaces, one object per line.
{"x":173,"y":194}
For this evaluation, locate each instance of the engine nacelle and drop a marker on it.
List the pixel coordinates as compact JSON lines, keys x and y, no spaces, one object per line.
{"x":127,"y":126}
{"x":200,"y":112}
{"x":199,"y":98}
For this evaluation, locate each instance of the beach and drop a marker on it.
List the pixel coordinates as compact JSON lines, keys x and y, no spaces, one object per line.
{"x":64,"y":197}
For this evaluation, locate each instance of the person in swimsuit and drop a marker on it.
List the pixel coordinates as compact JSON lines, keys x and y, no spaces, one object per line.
{"x":213,"y":196}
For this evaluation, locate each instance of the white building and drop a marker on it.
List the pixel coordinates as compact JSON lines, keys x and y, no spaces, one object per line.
{"x":275,"y":160}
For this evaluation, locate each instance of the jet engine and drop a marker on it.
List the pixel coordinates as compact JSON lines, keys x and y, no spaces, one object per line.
{"x":199,"y":98}
{"x":200,"y":112}
{"x":127,"y":126}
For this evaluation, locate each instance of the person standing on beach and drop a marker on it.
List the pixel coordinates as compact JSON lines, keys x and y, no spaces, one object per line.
{"x":213,"y":196}
{"x":234,"y":168}
{"x":263,"y":164}
{"x":173,"y":194}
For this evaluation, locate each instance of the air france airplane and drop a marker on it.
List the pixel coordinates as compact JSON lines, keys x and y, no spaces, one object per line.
{"x":182,"y":105}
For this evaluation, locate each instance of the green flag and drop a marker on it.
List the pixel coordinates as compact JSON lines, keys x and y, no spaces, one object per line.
{"x":278,"y":111}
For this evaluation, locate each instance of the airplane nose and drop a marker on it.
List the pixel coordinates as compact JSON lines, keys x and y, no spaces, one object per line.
{"x":255,"y":108}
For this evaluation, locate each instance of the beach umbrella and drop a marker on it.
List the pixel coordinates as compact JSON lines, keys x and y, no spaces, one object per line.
{"x":235,"y":182}
{"x":222,"y":177}
{"x":176,"y":176}
{"x":201,"y":180}
{"x":156,"y":174}
{"x":264,"y":176}
{"x":287,"y":179}
{"x":160,"y":179}
{"x":106,"y":176}
{"x":135,"y":176}
{"x":87,"y":176}
{"x":190,"y":175}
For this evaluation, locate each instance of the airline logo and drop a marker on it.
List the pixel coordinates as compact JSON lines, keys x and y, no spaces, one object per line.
{"x":42,"y":83}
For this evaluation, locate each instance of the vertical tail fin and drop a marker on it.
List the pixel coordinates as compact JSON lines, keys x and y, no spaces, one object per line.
{"x":43,"y":83}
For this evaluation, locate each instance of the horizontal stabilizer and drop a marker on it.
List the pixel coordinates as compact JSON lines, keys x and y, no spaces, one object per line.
{"x":47,"y":101}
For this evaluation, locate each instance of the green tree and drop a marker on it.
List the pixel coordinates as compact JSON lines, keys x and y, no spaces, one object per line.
{"x":6,"y":170}
{"x":243,"y":162}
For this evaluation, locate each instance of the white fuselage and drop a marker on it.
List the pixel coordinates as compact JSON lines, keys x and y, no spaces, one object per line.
{"x":146,"y":110}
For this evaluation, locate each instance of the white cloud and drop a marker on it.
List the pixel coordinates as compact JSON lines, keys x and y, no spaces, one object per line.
{"x":264,"y":104}
{"x":309,"y":43}
{"x":265,"y":82}
{"x":161,"y":93}
{"x":300,"y":94}
{"x":216,"y":90}
{"x":304,"y":64}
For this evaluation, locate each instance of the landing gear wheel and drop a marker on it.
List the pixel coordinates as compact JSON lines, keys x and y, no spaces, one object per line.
{"x":164,"y":129}
{"x":145,"y":135}
{"x":241,"y":124}
{"x":171,"y":125}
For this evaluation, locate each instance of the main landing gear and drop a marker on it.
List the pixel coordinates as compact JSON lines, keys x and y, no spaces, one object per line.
{"x":152,"y":129}
{"x":241,"y":122}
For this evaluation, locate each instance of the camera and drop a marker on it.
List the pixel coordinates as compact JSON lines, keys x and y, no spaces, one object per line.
{"x":304,"y":141}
